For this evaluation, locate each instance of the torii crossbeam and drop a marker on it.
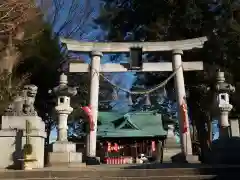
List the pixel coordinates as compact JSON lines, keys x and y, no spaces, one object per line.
{"x":177,"y":47}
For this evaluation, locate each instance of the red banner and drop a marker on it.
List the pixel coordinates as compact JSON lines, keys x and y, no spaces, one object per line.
{"x":184,"y":116}
{"x":88,"y":111}
{"x":112,"y":148}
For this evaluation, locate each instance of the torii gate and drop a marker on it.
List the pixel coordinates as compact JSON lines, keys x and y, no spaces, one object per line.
{"x":97,"y":48}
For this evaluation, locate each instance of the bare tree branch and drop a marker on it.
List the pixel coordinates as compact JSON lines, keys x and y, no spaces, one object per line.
{"x":15,"y":16}
{"x":71,"y":17}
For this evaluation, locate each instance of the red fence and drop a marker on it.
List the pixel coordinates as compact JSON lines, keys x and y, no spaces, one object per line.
{"x":117,"y":160}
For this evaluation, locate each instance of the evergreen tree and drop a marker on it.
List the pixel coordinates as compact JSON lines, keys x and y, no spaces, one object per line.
{"x":137,"y":20}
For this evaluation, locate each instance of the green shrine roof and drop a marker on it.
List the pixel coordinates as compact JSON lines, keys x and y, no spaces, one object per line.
{"x":134,"y":124}
{"x":106,"y":117}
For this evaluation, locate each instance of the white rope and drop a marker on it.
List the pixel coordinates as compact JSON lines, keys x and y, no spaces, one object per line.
{"x":161,"y":85}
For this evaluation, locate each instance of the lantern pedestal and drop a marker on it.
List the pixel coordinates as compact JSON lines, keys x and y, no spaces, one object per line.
{"x":64,"y":153}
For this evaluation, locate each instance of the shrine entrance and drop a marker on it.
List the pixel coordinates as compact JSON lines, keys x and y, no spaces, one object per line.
{"x":136,"y":49}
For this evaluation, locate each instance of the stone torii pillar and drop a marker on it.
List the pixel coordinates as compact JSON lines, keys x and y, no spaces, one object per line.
{"x":177,"y":47}
{"x":93,"y":102}
{"x":185,"y":137}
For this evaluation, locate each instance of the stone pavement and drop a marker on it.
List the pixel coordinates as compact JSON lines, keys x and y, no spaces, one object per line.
{"x":120,"y":172}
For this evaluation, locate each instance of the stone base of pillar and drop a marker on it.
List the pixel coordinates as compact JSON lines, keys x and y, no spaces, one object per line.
{"x":64,"y":154}
{"x":93,"y":161}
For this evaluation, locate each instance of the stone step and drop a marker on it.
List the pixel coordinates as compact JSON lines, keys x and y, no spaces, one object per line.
{"x":133,"y":172}
{"x":203,"y":177}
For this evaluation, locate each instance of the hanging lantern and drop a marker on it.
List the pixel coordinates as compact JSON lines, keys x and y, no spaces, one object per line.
{"x":153,"y":146}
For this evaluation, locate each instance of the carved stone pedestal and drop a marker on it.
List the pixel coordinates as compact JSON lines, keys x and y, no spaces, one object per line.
{"x":64,"y":153}
{"x":13,"y":138}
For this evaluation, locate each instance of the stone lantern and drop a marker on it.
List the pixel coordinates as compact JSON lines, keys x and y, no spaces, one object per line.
{"x":64,"y":151}
{"x":222,"y":90}
{"x":63,"y":108}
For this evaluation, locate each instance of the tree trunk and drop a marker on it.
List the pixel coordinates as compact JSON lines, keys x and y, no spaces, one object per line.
{"x":202,"y":134}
